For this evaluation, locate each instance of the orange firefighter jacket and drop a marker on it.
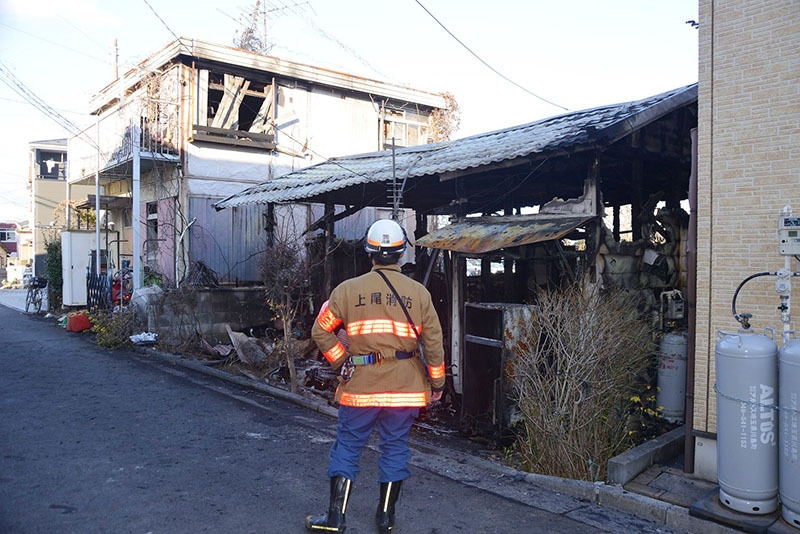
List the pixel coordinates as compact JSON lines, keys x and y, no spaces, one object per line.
{"x":375,"y":322}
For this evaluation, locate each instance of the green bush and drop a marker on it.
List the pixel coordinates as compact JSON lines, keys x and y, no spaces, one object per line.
{"x":52,"y":270}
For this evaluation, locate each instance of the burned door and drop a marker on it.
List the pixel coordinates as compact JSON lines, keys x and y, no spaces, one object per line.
{"x":487,"y":389}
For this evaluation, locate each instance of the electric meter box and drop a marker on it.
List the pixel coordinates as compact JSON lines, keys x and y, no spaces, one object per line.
{"x":789,"y":235}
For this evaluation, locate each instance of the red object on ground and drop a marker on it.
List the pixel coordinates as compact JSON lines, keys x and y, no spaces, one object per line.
{"x":78,"y":323}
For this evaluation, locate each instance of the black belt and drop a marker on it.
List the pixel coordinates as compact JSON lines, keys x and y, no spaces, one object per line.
{"x":377,"y":357}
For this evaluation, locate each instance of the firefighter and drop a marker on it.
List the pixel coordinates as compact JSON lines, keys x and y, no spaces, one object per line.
{"x":385,"y":381}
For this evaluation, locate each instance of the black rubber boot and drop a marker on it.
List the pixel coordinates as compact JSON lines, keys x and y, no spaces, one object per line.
{"x":333,"y":520}
{"x":384,"y":518}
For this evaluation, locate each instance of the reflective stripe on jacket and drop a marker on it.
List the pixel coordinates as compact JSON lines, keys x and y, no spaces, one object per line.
{"x":375,"y":322}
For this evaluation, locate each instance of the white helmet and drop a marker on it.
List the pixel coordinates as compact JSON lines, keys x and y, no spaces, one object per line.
{"x":385,"y":236}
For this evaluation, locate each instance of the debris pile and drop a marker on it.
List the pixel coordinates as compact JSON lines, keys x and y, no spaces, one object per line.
{"x":201,"y":275}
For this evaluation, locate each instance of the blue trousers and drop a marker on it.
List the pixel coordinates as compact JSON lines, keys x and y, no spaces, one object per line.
{"x":355,"y":426}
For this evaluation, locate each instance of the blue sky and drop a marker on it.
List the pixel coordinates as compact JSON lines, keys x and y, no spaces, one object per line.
{"x":576,"y":53}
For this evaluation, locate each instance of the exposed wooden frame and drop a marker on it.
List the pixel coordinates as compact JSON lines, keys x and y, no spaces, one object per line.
{"x":225,"y":136}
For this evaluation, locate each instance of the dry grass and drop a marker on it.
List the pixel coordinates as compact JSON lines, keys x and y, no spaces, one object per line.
{"x":575,"y":370}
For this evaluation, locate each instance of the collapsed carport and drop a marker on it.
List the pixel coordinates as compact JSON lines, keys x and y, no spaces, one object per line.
{"x":526,"y":207}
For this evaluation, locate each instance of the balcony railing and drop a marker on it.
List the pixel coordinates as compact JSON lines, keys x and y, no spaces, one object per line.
{"x":110,"y":140}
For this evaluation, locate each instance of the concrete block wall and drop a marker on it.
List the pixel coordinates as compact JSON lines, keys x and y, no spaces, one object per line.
{"x":748,"y":168}
{"x":207,"y":311}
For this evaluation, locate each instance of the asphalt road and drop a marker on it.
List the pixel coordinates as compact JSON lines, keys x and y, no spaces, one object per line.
{"x":93,"y":440}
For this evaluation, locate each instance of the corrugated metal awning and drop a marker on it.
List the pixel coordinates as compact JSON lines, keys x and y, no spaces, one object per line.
{"x":486,"y":234}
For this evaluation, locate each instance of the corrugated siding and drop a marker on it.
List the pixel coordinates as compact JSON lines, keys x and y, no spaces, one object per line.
{"x":232,"y":241}
{"x":248,"y":240}
{"x":229,"y":241}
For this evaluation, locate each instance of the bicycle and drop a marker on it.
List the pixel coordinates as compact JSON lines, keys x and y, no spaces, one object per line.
{"x":35,"y":295}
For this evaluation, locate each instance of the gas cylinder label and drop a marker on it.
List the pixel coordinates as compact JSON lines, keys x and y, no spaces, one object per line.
{"x":790,"y":437}
{"x":753,"y":418}
{"x":767,"y":426}
{"x":743,"y":425}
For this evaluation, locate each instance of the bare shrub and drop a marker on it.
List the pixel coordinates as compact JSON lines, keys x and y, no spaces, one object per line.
{"x":285,"y":271}
{"x":183,"y":330}
{"x":575,"y":369}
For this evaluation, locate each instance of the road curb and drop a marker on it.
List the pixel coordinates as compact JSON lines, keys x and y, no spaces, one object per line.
{"x":288,"y":396}
{"x":602,"y":494}
{"x":626,"y":466}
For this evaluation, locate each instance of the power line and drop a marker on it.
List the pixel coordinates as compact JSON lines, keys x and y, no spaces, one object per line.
{"x":506,"y":78}
{"x":58,"y":109}
{"x":7,"y":77}
{"x":74,"y":50}
{"x":308,"y":20}
{"x":65,"y":19}
{"x":162,"y":20}
{"x":16,"y":85}
{"x":56,"y":44}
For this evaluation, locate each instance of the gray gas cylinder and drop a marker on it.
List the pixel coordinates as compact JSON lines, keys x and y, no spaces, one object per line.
{"x":747,"y":421}
{"x":671,"y":396}
{"x":789,"y":464}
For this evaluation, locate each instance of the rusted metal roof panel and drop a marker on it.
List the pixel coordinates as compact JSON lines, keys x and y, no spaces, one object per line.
{"x":571,"y":131}
{"x":483,"y":235}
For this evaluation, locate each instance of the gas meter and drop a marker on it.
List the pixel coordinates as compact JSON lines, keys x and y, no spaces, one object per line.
{"x":788,"y":234}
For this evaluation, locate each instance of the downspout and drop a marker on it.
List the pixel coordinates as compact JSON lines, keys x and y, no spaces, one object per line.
{"x":68,"y":191}
{"x":691,"y":304}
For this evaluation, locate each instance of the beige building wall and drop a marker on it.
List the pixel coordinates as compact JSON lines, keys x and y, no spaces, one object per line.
{"x":748,"y":170}
{"x":48,"y":210}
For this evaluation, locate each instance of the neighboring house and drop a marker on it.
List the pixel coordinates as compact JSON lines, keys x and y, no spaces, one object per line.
{"x":14,"y":237}
{"x":47,"y":178}
{"x":748,"y":170}
{"x":211,"y":120}
{"x":3,"y":261}
{"x":8,"y":237}
{"x":24,"y":244}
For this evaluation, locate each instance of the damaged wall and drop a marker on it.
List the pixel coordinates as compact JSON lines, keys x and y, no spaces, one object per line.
{"x":655,"y":264}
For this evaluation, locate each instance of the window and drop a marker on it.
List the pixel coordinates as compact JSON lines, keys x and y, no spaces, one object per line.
{"x":50,"y":165}
{"x":237,"y":112}
{"x":408,"y":128}
{"x":7,"y":234}
{"x":151,"y":248}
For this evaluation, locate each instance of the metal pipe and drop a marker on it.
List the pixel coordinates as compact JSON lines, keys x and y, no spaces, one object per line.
{"x":97,"y":200}
{"x":395,"y":207}
{"x":434,"y":257}
{"x":691,"y":310}
{"x":136,"y":208}
{"x":736,"y":316}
